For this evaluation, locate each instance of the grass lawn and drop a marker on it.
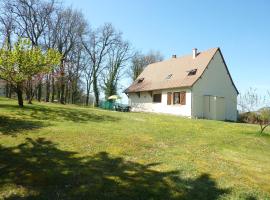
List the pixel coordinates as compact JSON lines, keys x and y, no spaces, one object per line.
{"x":50,"y":151}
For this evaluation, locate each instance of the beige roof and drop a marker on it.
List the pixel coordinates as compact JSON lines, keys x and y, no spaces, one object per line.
{"x":154,"y":75}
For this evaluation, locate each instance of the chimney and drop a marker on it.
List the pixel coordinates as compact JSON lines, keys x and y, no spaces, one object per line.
{"x":194,"y":53}
{"x":174,"y":56}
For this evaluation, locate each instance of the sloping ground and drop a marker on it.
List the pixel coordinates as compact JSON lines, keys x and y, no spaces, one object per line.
{"x":50,"y":151}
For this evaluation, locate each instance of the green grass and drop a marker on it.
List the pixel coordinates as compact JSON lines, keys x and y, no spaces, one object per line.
{"x":50,"y":151}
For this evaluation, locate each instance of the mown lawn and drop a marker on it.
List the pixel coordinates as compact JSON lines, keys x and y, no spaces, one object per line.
{"x":52,"y":151}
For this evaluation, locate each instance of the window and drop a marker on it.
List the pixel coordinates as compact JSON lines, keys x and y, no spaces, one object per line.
{"x":169,"y":76}
{"x":169,"y":98}
{"x":176,"y":98}
{"x":157,"y":98}
{"x":179,"y":98}
{"x":140,"y":80}
{"x":192,"y":72}
{"x":183,"y":98}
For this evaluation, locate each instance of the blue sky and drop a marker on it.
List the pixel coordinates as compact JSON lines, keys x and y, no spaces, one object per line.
{"x":240,"y":28}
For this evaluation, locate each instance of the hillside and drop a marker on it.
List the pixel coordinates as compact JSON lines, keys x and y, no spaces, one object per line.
{"x":50,"y":151}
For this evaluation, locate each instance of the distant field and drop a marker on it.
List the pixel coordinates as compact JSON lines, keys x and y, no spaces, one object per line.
{"x":50,"y":151}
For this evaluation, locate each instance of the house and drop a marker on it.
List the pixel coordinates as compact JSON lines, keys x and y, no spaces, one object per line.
{"x":198,"y":85}
{"x":2,"y":87}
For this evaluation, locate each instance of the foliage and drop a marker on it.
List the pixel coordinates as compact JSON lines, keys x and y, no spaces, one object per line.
{"x":23,"y":62}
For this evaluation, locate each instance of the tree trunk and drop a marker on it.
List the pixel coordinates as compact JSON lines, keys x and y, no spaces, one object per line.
{"x":39,"y":92}
{"x":88,"y":86}
{"x":62,"y":84}
{"x":58,"y":93}
{"x":20,"y":95}
{"x":67,"y":93}
{"x":7,"y":89}
{"x":74,"y":91}
{"x":29,"y":91}
{"x":95,"y":88}
{"x":264,"y":126}
{"x":10,"y":91}
{"x":53,"y":90}
{"x":62,"y":91}
{"x":87,"y":99}
{"x":47,"y":99}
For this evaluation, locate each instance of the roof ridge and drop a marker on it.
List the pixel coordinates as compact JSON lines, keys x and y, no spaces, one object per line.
{"x":181,"y":56}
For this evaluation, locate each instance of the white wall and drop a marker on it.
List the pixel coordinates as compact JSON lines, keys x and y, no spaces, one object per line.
{"x":216,"y":82}
{"x":144,"y":103}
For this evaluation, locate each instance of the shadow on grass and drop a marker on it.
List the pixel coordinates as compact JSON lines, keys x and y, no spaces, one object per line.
{"x":46,"y":172}
{"x":250,"y":197}
{"x":41,"y":112}
{"x":12,"y":126}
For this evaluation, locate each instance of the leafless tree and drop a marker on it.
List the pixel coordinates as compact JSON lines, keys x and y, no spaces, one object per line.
{"x":250,"y":100}
{"x":67,"y":29}
{"x":75,"y":66}
{"x":88,"y":76}
{"x":7,"y":24}
{"x":98,"y":44}
{"x":117,"y":61}
{"x":31,"y":17}
{"x":140,"y":61}
{"x":7,"y":27}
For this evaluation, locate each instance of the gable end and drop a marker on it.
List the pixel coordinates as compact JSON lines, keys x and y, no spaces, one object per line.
{"x":223,"y":60}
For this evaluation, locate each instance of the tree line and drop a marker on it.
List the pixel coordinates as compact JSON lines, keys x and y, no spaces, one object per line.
{"x":92,"y":60}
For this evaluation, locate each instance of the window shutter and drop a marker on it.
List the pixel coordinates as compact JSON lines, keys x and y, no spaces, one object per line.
{"x":169,"y":98}
{"x":183,"y":98}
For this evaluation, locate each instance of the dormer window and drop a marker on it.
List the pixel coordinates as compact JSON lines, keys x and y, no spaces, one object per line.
{"x":192,"y":72}
{"x":169,"y":76}
{"x":140,"y":80}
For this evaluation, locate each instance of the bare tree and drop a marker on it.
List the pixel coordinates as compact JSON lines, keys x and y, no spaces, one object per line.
{"x":250,"y":100}
{"x":88,"y":76}
{"x":140,"y":61}
{"x":68,"y":28}
{"x":7,"y":24}
{"x":75,"y":66}
{"x":118,"y":58}
{"x":7,"y":27}
{"x":255,"y":109}
{"x":97,"y":45}
{"x":31,"y":17}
